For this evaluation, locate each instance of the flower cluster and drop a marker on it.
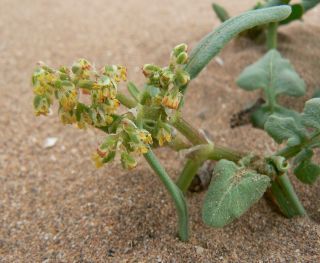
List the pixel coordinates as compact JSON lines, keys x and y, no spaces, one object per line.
{"x":169,"y":79}
{"x":66,"y":84}
{"x":127,"y":140}
{"x":160,"y":97}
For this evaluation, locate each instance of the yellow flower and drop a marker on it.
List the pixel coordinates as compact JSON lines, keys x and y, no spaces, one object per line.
{"x":163,"y":136}
{"x":172,"y":100}
{"x":39,"y":90}
{"x":145,"y":136}
{"x":127,"y":161}
{"x":96,"y":158}
{"x":123,"y":73}
{"x":141,"y":148}
{"x":69,"y":100}
{"x":41,"y":105}
{"x":67,"y":117}
{"x":112,"y":106}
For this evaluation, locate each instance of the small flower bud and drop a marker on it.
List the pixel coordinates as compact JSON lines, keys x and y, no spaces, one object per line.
{"x":172,"y":99}
{"x":163,"y":136}
{"x":67,"y":117}
{"x":69,"y":100}
{"x":182,"y":58}
{"x":179,"y":49}
{"x":127,"y":161}
{"x":97,"y":159}
{"x":41,"y":105}
{"x":149,"y":70}
{"x":182,"y":78}
{"x":166,"y":77}
{"x":145,"y":136}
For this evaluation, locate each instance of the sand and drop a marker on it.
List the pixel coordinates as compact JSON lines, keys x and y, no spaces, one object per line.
{"x":55,"y":206}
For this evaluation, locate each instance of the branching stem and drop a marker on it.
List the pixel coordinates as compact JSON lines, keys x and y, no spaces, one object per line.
{"x":175,"y":193}
{"x":272,"y":35}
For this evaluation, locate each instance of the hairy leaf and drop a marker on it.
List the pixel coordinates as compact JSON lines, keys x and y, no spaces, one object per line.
{"x":311,"y":114}
{"x":259,"y":117}
{"x":221,"y":13}
{"x":274,"y":74}
{"x":285,"y":128}
{"x":305,"y":170}
{"x":211,"y":44}
{"x":231,"y":193}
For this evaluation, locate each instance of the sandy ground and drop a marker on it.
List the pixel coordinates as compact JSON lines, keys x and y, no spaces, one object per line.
{"x":56,"y":207}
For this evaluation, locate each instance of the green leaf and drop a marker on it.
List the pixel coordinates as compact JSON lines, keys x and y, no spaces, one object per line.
{"x":259,"y":117}
{"x":270,"y":3}
{"x":221,"y":13}
{"x":308,"y":4}
{"x":231,"y":193}
{"x":211,"y":44}
{"x":274,"y":74}
{"x":296,"y":14}
{"x":307,"y":171}
{"x":285,"y":128}
{"x":311,"y":114}
{"x":134,"y":91}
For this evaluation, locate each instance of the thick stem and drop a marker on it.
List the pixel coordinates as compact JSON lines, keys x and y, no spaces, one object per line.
{"x":175,"y":193}
{"x":178,"y":143}
{"x":272,"y":35}
{"x":202,"y":154}
{"x":189,"y":171}
{"x":191,"y":133}
{"x":290,"y":194}
{"x":198,"y":154}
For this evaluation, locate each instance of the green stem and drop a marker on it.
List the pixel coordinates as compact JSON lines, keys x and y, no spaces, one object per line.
{"x":175,"y":193}
{"x":178,"y":144}
{"x":202,"y":154}
{"x":272,"y":35}
{"x":189,"y":171}
{"x":289,"y":202}
{"x":282,"y":189}
{"x":198,"y":154}
{"x":192,"y":134}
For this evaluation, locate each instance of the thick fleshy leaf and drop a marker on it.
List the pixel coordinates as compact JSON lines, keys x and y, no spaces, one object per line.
{"x":311,"y":114}
{"x":221,"y":13}
{"x":211,"y":44}
{"x":285,"y":128}
{"x":296,"y":14}
{"x":270,"y":3}
{"x":274,"y":74}
{"x":231,"y":193}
